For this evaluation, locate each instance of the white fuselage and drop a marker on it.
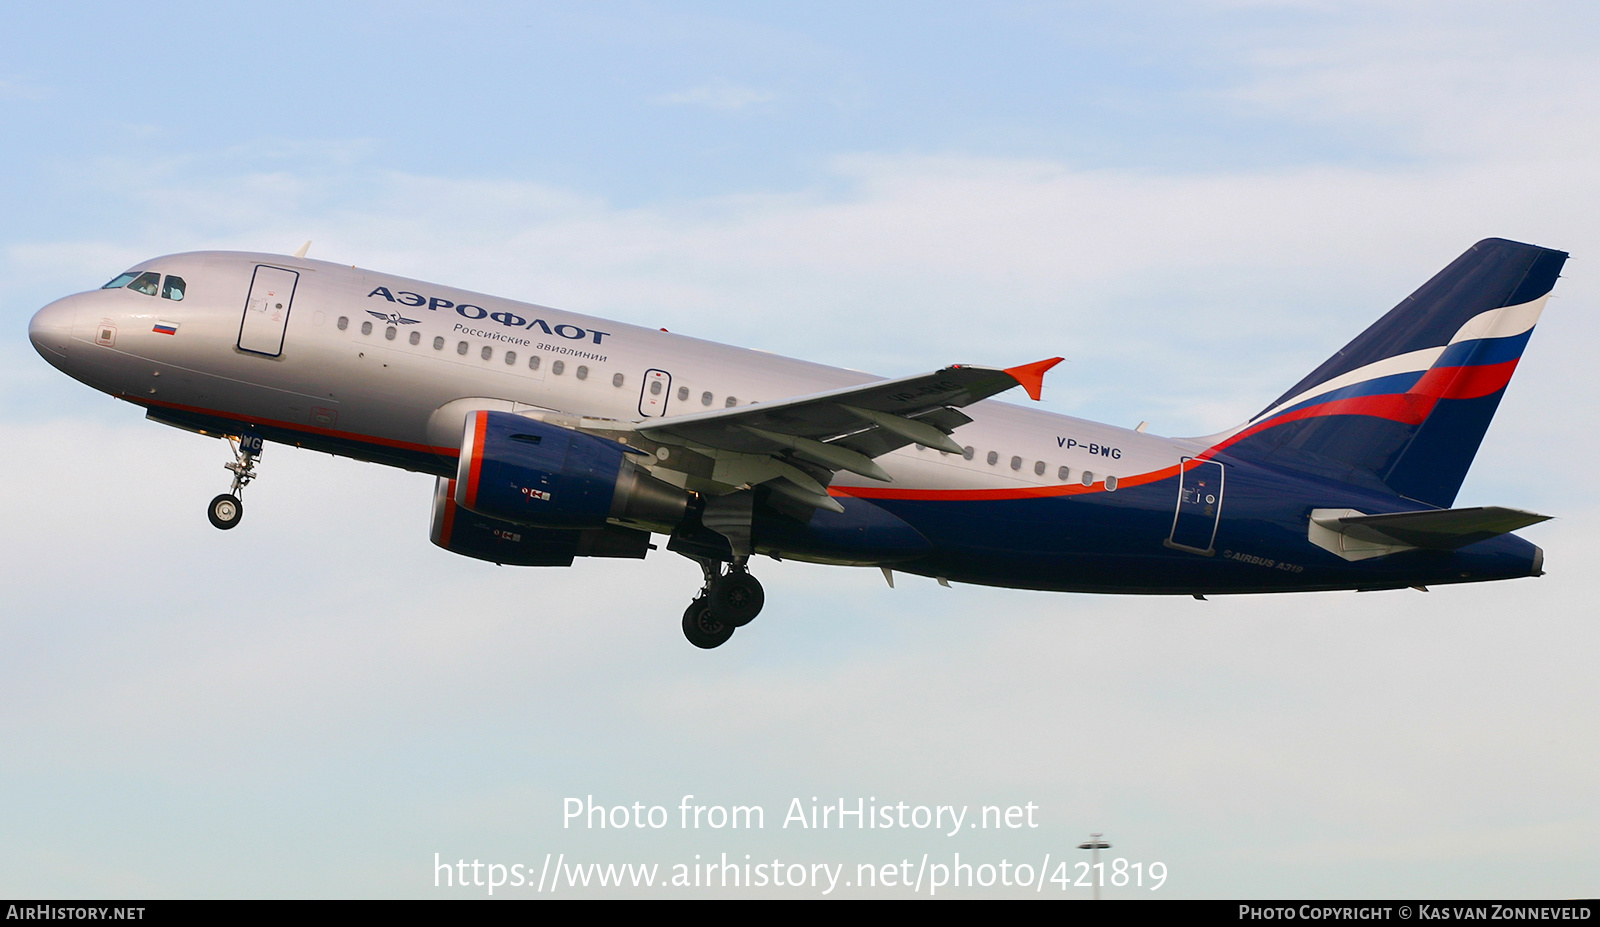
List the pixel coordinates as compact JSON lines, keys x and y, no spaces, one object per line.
{"x":370,"y":359}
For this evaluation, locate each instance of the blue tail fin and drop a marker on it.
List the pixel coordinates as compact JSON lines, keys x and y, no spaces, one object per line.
{"x":1405,"y":405}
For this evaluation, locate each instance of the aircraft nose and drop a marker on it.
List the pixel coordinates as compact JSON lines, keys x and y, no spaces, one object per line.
{"x":51,"y":329}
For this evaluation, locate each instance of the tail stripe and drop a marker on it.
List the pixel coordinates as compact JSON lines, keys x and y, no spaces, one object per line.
{"x":1484,"y":351}
{"x":1408,"y":406}
{"x":1394,"y":383}
{"x":1490,"y":360}
{"x":1510,"y":328}
{"x":1504,"y":322}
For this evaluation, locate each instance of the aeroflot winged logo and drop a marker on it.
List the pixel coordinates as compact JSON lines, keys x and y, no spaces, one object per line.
{"x":393,"y":318}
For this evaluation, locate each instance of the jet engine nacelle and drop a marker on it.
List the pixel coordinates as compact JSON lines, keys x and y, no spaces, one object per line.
{"x":527,"y":472}
{"x":483,"y":538}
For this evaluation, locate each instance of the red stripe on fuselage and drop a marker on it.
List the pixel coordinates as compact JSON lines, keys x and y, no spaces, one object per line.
{"x":1410,"y":408}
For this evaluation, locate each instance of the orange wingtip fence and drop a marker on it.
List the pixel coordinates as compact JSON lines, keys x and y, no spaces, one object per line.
{"x":1031,"y":376}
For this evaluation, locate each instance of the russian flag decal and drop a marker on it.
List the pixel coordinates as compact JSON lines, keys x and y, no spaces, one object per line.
{"x":165,"y":328}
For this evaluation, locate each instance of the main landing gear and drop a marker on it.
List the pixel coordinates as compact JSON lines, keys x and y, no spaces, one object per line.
{"x":728,"y":601}
{"x":226,"y":510}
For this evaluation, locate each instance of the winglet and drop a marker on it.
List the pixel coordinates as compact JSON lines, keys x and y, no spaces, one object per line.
{"x":1031,"y":376}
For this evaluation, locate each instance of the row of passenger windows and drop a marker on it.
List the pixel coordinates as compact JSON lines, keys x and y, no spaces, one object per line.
{"x":149,"y":283}
{"x":706,"y":398}
{"x":557,"y":367}
{"x":1063,"y":474}
{"x":486,"y":352}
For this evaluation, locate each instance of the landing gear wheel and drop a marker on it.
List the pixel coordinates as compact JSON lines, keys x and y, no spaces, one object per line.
{"x":736,"y":598}
{"x":703,"y":629}
{"x":225,"y":511}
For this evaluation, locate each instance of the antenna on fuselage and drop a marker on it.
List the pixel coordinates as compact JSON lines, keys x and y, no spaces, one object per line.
{"x":303,"y":249}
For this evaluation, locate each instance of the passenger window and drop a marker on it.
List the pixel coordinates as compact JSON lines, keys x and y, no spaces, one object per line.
{"x":1111,"y":484}
{"x":172,"y":288}
{"x":616,"y":379}
{"x":966,"y":452}
{"x":1038,"y":468}
{"x":582,"y":372}
{"x":511,"y":358}
{"x":461,"y":348}
{"x":344,"y":322}
{"x":366,"y":328}
{"x":1088,"y":478}
{"x":438,"y":343}
{"x":486,"y":353}
{"x":119,"y":281}
{"x":993,"y":458}
{"x":533,"y":362}
{"x":655,"y":387}
{"x":1016,"y":463}
{"x":683,"y":394}
{"x":416,"y":337}
{"x":146,"y":283}
{"x":390,"y":332}
{"x":730,"y":403}
{"x":557,"y":367}
{"x":705,"y":399}
{"x":1064,"y":474}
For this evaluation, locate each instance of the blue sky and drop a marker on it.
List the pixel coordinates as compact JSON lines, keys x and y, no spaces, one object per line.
{"x":1194,"y":203}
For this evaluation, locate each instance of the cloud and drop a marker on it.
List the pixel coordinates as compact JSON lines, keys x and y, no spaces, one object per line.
{"x":1438,"y":83}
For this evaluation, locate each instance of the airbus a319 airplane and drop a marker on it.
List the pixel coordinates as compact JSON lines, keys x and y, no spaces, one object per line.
{"x":554,"y":436}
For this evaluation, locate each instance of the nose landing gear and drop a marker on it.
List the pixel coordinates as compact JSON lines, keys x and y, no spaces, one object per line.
{"x":728,"y":601}
{"x":226,"y":510}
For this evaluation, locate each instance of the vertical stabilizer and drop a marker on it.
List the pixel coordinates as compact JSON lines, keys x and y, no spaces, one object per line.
{"x":1405,"y":405}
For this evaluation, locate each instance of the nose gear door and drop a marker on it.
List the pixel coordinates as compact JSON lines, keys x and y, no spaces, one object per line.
{"x":266,"y":310}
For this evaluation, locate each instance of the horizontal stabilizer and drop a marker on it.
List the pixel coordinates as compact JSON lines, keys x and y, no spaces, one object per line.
{"x":1355,"y":536}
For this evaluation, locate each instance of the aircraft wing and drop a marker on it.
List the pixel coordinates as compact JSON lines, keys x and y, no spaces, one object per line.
{"x":797,"y":444}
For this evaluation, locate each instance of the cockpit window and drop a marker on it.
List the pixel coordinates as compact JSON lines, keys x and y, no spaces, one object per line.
{"x":120,"y":281}
{"x":173,"y":288}
{"x":146,"y":283}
